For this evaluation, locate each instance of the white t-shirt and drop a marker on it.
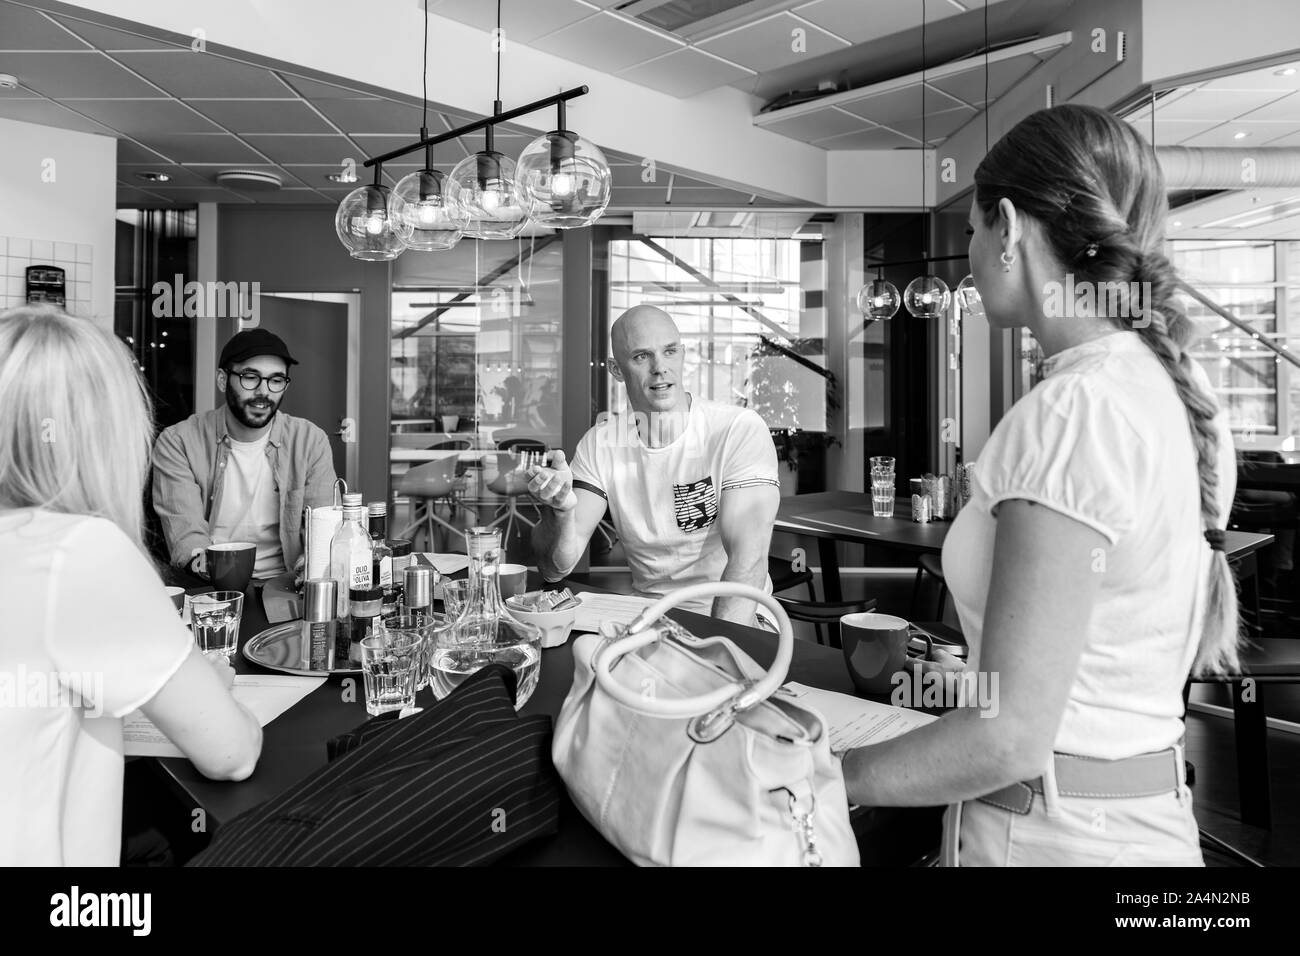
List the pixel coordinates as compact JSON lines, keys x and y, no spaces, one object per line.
{"x":1105,"y":440}
{"x":88,"y":629}
{"x":250,"y":510}
{"x":664,"y":501}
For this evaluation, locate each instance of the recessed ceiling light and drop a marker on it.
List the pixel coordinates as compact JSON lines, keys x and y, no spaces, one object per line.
{"x":8,"y":81}
{"x":1177,"y":223}
{"x":154,"y":177}
{"x":1285,"y":71}
{"x":254,"y":180}
{"x":1240,"y":134}
{"x":341,"y":177}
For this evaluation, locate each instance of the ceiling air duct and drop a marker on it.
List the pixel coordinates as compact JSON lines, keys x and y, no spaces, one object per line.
{"x":1188,"y":167}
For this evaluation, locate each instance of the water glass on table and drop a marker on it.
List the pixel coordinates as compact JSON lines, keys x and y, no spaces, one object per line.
{"x":390,"y":666}
{"x":418,"y":625}
{"x":882,"y":487}
{"x":454,"y":596}
{"x":214,"y":620}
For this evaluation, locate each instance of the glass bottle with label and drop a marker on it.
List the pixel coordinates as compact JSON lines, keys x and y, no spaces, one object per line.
{"x":351,"y":554}
{"x":381,"y":563}
{"x":485,"y":632}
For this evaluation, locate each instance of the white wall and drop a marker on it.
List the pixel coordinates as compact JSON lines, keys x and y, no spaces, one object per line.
{"x":58,"y":194}
{"x":1181,"y":37}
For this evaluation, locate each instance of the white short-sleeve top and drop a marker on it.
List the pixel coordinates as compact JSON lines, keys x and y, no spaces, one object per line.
{"x":1105,"y":439}
{"x":88,"y":636}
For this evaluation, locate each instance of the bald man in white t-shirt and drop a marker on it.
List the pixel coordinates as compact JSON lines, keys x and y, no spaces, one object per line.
{"x":692,"y":485}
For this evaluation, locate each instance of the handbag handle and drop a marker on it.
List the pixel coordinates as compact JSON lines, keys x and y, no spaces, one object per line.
{"x":735,"y":696}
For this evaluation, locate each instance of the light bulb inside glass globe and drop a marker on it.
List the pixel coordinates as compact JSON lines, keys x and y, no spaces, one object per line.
{"x":427,"y":214}
{"x":927,"y":297}
{"x":968,"y":297}
{"x":490,"y":198}
{"x":365,"y":226}
{"x":485,"y":187}
{"x":564,"y":180}
{"x":879,"y":299}
{"x":375,"y":223}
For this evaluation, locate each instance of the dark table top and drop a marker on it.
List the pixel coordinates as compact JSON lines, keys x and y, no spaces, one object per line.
{"x":846,"y":516}
{"x":293,"y":746}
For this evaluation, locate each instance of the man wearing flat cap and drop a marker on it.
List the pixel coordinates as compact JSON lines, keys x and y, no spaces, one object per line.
{"x":243,"y":472}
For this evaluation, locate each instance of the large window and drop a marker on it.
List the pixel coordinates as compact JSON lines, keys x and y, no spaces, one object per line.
{"x":751,"y":315}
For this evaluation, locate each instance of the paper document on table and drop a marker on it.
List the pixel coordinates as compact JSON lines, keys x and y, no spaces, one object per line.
{"x":854,"y":722}
{"x":266,"y":695}
{"x":445,"y":563}
{"x":598,"y":608}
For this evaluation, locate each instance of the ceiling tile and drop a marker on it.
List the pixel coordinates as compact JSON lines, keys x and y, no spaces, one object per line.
{"x":314,"y":175}
{"x":201,"y":148}
{"x":606,"y":42}
{"x":1265,"y":78}
{"x":105,"y":38}
{"x":316,"y":90}
{"x":522,"y":20}
{"x":643,"y":196}
{"x":849,"y":19}
{"x":703,"y":197}
{"x":1173,"y":132}
{"x":185,"y":74}
{"x":376,"y":116}
{"x":305,"y":149}
{"x":876,"y":138}
{"x":1286,"y":109}
{"x":1225,"y":134}
{"x":22,"y":28}
{"x":894,"y":106}
{"x":968,"y":85}
{"x":1291,"y":139}
{"x":129,"y":152}
{"x":818,"y":125}
{"x":141,"y":117}
{"x":1214,"y":104}
{"x":208,"y":173}
{"x":45,"y":113}
{"x":62,"y":75}
{"x":769,"y":44}
{"x":263,"y":116}
{"x":191,"y":194}
{"x":284,"y":196}
{"x":685,"y":72}
{"x":18,"y":93}
{"x":180,"y":175}
{"x":938,"y":125}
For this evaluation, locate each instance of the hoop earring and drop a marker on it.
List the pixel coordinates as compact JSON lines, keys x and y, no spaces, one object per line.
{"x":1008,"y":260}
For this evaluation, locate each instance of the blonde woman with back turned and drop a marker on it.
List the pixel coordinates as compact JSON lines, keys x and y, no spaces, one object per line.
{"x":89,"y":633}
{"x":1088,"y":568}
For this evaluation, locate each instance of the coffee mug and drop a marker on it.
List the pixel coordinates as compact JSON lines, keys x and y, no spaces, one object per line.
{"x":177,"y":596}
{"x":512,"y":578}
{"x":228,"y":566}
{"x":875,"y":649}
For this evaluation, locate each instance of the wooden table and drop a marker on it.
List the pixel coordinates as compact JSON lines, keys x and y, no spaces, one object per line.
{"x":831,"y":516}
{"x":293,"y":746}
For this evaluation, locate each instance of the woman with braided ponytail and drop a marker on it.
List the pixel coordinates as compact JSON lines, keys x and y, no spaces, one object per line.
{"x":1088,"y":568}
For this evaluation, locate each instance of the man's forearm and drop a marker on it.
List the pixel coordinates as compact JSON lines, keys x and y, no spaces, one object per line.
{"x":741,"y":571}
{"x":554,"y":544}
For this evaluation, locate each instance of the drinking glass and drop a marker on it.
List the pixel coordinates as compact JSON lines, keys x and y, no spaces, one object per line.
{"x":882,"y":486}
{"x":390,"y":667}
{"x":214,"y":620}
{"x":454,"y":595}
{"x":418,"y":625}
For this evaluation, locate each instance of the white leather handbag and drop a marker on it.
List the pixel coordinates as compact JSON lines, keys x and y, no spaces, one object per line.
{"x":675,"y":748}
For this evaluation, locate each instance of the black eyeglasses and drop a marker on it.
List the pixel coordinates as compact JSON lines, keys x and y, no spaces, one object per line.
{"x":251,"y":380}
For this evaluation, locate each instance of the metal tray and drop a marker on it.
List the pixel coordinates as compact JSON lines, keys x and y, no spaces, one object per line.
{"x":279,"y":648}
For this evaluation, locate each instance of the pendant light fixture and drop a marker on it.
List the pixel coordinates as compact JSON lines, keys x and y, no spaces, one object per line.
{"x":428,"y":214}
{"x":926,"y":296}
{"x":968,"y":296}
{"x":879,"y":298}
{"x":564,"y":180}
{"x":365,"y":225}
{"x":486,"y":180}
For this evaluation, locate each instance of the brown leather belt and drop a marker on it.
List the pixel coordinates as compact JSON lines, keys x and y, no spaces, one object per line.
{"x":1145,"y":775}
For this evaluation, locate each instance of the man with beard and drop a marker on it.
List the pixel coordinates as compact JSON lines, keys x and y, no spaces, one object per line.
{"x":243,"y":472}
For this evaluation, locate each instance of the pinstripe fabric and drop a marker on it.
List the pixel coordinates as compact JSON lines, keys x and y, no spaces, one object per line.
{"x":462,"y":783}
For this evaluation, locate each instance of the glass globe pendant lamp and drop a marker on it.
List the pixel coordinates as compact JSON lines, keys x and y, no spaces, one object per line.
{"x":428,"y":214}
{"x":879,"y":299}
{"x":927,"y":297}
{"x":968,"y":297}
{"x":485,"y":187}
{"x":365,"y":223}
{"x":564,"y":180}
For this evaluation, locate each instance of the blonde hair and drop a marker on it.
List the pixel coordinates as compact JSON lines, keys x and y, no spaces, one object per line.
{"x":1096,"y":186}
{"x":77,"y":428}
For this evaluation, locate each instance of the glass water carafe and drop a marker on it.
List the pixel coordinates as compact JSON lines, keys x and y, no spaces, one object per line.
{"x":485,"y":632}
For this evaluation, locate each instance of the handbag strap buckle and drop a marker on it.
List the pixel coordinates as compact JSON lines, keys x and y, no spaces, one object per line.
{"x":709,"y":727}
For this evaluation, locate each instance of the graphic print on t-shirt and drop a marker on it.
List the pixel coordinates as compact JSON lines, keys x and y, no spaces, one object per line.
{"x":695,"y":505}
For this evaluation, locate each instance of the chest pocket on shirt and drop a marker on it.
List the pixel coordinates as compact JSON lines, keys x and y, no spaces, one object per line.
{"x":695,"y":505}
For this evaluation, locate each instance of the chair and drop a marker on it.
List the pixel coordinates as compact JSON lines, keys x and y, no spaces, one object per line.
{"x":784,"y":577}
{"x":825,"y":612}
{"x":932,"y":565}
{"x":426,"y":485}
{"x":510,"y":484}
